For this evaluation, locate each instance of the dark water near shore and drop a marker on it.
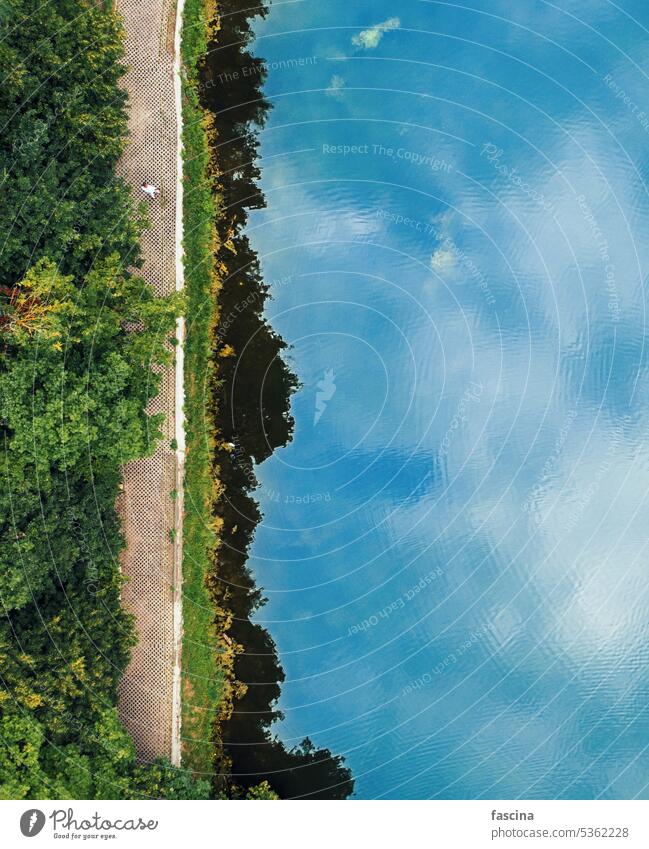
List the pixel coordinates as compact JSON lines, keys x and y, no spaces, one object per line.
{"x":248,"y":400}
{"x":454,"y":546}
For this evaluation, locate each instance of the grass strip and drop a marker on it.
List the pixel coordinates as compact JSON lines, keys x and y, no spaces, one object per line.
{"x":203,"y":678}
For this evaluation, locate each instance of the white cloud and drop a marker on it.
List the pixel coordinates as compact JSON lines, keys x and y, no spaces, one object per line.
{"x":442,"y":260}
{"x":370,"y":38}
{"x":336,"y":86}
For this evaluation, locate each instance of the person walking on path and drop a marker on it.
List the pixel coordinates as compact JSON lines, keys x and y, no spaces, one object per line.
{"x":150,"y":190}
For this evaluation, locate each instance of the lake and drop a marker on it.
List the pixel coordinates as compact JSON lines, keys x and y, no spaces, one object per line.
{"x":454,"y":544}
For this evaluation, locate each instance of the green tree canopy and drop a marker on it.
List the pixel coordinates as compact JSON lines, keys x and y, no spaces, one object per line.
{"x":74,"y":385}
{"x":63,"y":129}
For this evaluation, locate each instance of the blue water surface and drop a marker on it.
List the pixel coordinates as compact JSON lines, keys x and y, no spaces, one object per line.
{"x":455,"y":544}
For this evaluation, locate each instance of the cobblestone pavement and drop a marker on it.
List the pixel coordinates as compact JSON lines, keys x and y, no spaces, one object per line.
{"x":151,"y":561}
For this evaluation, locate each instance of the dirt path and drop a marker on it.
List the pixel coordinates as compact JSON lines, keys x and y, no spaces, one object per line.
{"x":151,"y":505}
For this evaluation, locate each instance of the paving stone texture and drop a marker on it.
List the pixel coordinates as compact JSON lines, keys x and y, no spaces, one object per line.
{"x":147,"y":508}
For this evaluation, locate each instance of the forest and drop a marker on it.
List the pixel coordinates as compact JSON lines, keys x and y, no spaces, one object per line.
{"x":74,"y":384}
